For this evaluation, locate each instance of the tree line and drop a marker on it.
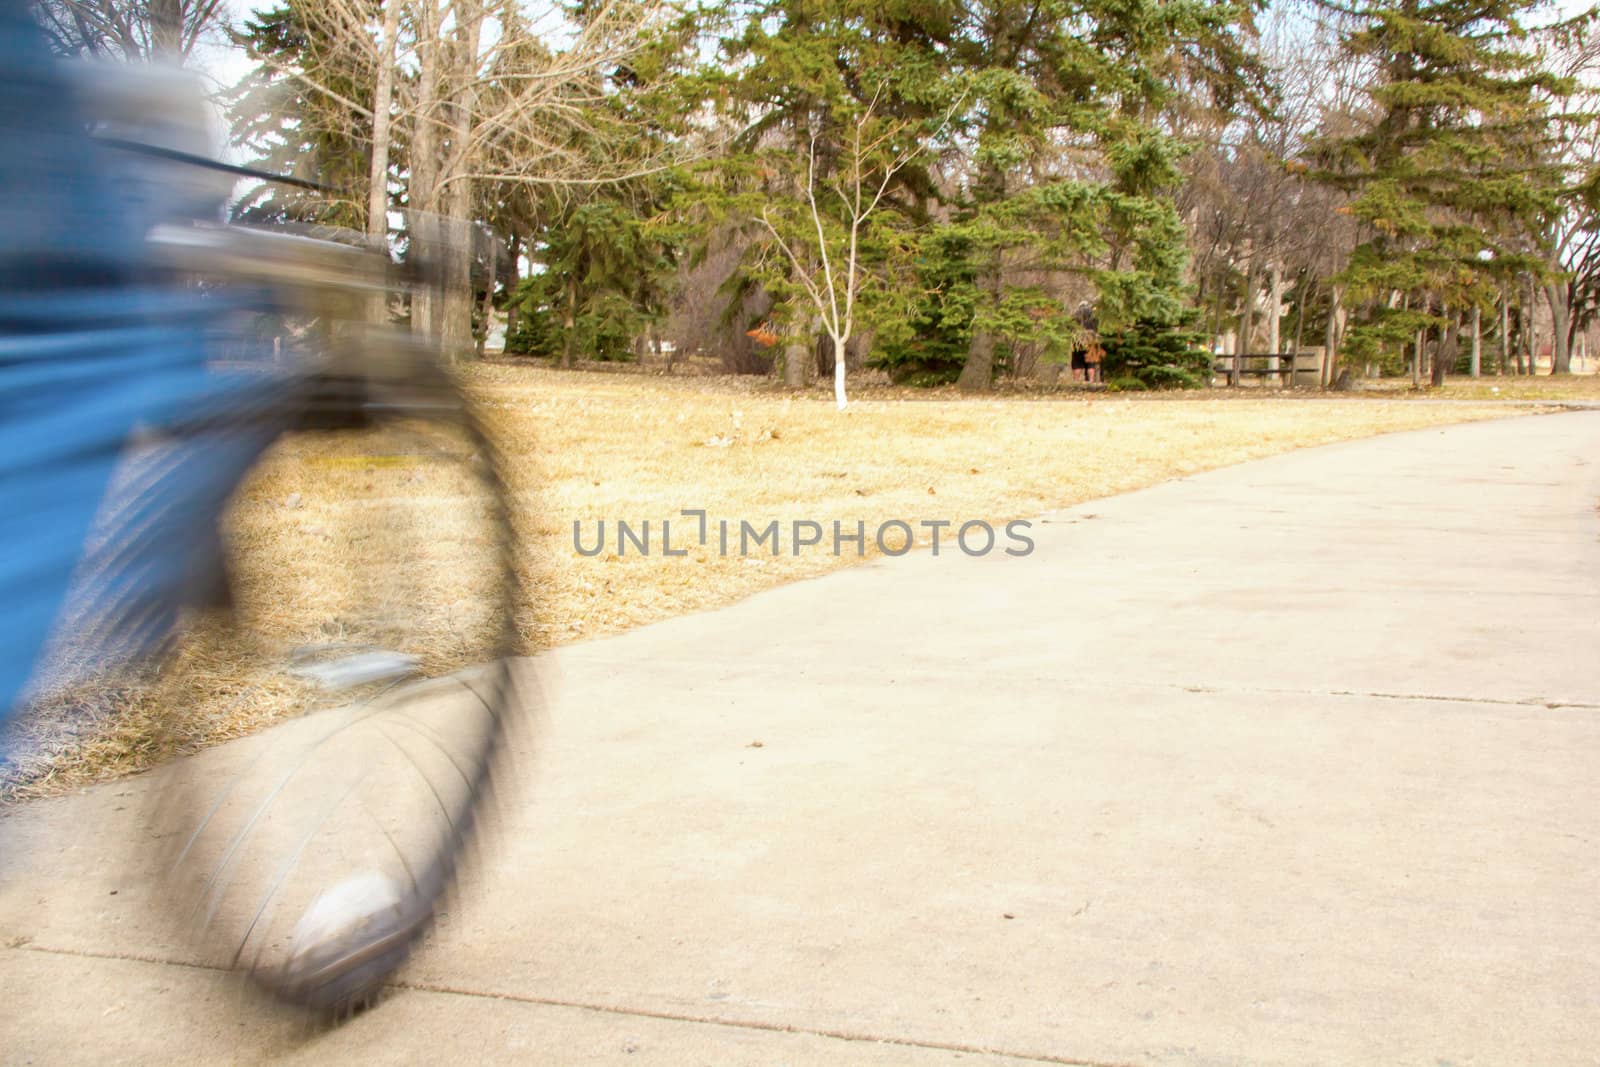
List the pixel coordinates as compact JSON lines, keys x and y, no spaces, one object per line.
{"x":946,"y":190}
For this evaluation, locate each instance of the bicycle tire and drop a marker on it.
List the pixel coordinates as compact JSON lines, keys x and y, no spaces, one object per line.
{"x":283,"y":829}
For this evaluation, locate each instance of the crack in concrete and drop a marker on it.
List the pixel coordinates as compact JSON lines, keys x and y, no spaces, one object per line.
{"x":1510,"y":702}
{"x":774,"y":1027}
{"x":1080,"y":684}
{"x":440,"y":989}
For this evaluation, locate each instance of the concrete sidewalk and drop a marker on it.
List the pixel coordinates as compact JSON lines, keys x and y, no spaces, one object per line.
{"x":1296,"y":762}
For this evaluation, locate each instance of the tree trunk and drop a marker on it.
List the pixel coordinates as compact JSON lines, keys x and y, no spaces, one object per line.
{"x":455,"y":315}
{"x":1576,"y":347}
{"x":1330,"y":336}
{"x":1444,"y":357}
{"x":513,"y":272}
{"x":166,"y":31}
{"x":422,"y":189}
{"x":1216,"y":330}
{"x":839,"y":360}
{"x":569,"y":322}
{"x":797,"y":349}
{"x":455,"y":327}
{"x":1275,"y":319}
{"x":796,"y":353}
{"x":1529,"y":331}
{"x":378,"y":166}
{"x":1561,"y":361}
{"x":486,"y":316}
{"x":1477,"y":341}
{"x":1247,"y":321}
{"x":840,"y":365}
{"x":382,"y":105}
{"x":1300,"y":310}
{"x":1505,"y":331}
{"x":1516,"y":337}
{"x":977,"y":373}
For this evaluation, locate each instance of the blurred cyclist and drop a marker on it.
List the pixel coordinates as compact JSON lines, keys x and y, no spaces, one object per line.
{"x":95,"y":343}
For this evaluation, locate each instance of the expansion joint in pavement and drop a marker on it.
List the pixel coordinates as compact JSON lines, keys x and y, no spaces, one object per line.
{"x":1444,"y":698}
{"x":772,"y":1027}
{"x":621,"y":1010}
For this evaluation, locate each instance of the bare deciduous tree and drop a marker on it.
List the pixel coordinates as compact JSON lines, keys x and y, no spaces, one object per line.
{"x":828,"y":262}
{"x":166,"y":30}
{"x":480,"y":93}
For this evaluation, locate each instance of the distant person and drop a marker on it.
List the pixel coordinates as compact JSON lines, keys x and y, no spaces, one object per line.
{"x":1087,"y":356}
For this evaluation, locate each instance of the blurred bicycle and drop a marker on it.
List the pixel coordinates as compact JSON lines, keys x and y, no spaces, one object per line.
{"x":235,"y":497}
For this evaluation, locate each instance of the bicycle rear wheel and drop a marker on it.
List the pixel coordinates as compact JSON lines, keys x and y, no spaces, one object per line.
{"x":369,"y":602}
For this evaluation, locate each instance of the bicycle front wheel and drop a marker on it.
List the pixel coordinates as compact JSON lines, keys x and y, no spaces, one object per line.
{"x":367,"y":608}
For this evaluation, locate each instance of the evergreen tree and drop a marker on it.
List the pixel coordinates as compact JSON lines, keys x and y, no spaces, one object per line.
{"x":1053,"y":164}
{"x":602,"y":265}
{"x":603,"y":254}
{"x":831,"y":98}
{"x":1157,"y":353}
{"x":300,"y":126}
{"x":1456,"y":175}
{"x":1073,"y":171}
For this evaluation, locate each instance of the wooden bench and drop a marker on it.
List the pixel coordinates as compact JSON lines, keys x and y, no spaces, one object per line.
{"x":1293,"y":367}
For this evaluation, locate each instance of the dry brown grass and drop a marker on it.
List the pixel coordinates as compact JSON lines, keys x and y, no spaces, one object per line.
{"x":637,"y":448}
{"x":591,"y":446}
{"x":1538,"y":387}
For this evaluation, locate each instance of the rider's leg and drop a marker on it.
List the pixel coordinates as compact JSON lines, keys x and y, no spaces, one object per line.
{"x":157,"y":544}
{"x":86,"y":355}
{"x":62,"y":257}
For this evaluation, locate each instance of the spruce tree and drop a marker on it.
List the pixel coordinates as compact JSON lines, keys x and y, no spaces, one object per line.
{"x":600,"y":276}
{"x":1074,"y":169}
{"x":1053,"y":167}
{"x":1454,"y":176}
{"x":289,"y":126}
{"x":841,"y":109}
